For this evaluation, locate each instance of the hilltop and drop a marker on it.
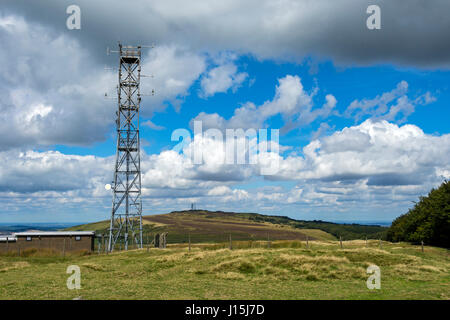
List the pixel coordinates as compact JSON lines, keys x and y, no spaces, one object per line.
{"x":217,"y":226}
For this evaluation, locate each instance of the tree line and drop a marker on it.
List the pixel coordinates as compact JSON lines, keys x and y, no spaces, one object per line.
{"x":427,"y":221}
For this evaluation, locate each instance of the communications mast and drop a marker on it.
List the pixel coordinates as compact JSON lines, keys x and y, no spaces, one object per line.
{"x":126,"y":215}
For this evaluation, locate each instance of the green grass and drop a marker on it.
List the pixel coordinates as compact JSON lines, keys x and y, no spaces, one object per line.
{"x":318,"y":234}
{"x":287,"y":270}
{"x":346,"y":231}
{"x":96,"y":226}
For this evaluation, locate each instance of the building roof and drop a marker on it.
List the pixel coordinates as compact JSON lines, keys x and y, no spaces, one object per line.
{"x":54,"y":233}
{"x":10,"y":238}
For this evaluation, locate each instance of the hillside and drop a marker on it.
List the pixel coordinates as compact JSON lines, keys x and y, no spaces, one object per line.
{"x":216,"y":226}
{"x":287,"y":270}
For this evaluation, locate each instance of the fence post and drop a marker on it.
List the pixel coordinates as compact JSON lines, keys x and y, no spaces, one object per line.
{"x":165,"y":240}
{"x":7,"y":244}
{"x":189,"y":242}
{"x":268,"y":241}
{"x":422,"y":245}
{"x":366,"y":241}
{"x":231,"y":245}
{"x":162,"y":240}
{"x":64,"y":248}
{"x":340,"y":240}
{"x":307,"y":242}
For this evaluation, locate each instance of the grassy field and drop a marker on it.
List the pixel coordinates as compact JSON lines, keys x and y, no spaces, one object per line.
{"x":286,"y":270}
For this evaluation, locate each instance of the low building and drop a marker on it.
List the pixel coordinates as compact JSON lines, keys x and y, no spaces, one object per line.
{"x":7,"y":243}
{"x":64,"y":241}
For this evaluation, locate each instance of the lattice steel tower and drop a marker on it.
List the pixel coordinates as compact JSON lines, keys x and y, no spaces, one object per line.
{"x":126,"y":216}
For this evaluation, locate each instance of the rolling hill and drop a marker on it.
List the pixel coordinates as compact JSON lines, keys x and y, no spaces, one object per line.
{"x":217,"y":226}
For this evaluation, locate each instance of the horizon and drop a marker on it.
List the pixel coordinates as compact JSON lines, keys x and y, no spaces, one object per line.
{"x":75,"y":223}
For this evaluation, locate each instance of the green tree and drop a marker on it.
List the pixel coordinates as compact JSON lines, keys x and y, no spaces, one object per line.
{"x":427,"y":221}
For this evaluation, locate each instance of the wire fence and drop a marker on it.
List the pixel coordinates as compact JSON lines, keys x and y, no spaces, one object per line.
{"x":232,"y":241}
{"x":188,"y":241}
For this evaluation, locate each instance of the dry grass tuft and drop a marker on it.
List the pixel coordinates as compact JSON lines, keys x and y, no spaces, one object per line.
{"x":230,"y":275}
{"x":295,"y":260}
{"x":428,"y":268}
{"x":241,"y":265}
{"x":14,"y":266}
{"x":94,"y":266}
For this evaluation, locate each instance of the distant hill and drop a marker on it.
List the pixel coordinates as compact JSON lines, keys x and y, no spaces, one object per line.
{"x":8,"y":228}
{"x":216,"y":226}
{"x":427,"y":221}
{"x":351,"y":231}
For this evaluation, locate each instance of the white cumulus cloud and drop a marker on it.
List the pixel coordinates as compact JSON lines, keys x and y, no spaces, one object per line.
{"x":291,"y":101}
{"x":221,"y":79}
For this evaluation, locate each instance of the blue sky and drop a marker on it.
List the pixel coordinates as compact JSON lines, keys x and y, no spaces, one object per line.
{"x":363,"y":117}
{"x":344,"y":83}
